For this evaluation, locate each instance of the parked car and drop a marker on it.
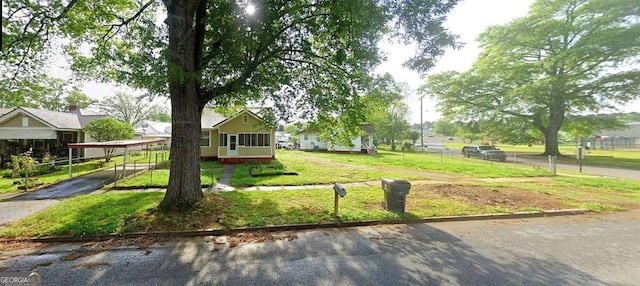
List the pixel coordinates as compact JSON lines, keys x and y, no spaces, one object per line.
{"x":284,"y":145}
{"x":484,"y":152}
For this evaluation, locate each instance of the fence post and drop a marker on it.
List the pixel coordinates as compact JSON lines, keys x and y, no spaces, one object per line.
{"x":134,"y":166}
{"x":115,"y":174}
{"x":552,"y":164}
{"x":515,"y":160}
{"x":26,"y":177}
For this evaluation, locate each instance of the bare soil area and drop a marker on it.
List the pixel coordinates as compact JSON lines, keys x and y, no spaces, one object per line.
{"x":510,"y":198}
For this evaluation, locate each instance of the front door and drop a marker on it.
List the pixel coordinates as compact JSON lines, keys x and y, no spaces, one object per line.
{"x":232,"y":150}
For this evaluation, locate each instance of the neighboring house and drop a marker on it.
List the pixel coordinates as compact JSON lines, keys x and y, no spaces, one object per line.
{"x":152,"y":130}
{"x":281,"y":136}
{"x":631,"y":129}
{"x":42,"y":131}
{"x":240,"y":138}
{"x":627,"y":137}
{"x":309,"y":141}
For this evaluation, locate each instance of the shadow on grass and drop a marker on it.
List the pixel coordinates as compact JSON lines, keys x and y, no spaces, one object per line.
{"x":246,"y":209}
{"x":85,"y":215}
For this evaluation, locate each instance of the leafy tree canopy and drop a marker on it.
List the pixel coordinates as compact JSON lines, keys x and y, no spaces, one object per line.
{"x":126,"y":108}
{"x":108,"y":129}
{"x":310,"y":59}
{"x":564,"y":58}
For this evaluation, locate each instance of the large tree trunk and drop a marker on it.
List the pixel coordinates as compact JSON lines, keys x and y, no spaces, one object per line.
{"x":551,"y":142}
{"x":184,"y":190}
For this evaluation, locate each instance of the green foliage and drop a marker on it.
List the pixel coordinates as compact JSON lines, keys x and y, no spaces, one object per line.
{"x":563,"y":59}
{"x":126,"y":107}
{"x":386,"y":109}
{"x":414,"y":136}
{"x":159,"y":113}
{"x":311,"y":60}
{"x":445,"y":127}
{"x":22,"y":164}
{"x":108,"y":129}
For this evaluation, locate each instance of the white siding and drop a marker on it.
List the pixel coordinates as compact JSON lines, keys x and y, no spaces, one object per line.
{"x":311,"y":141}
{"x":357,"y":146}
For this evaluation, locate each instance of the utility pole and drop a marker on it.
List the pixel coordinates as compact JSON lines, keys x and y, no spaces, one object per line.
{"x":421,"y":128}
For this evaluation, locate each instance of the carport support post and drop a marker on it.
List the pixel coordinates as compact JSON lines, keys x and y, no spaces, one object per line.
{"x":124,"y":162}
{"x":70,"y":164}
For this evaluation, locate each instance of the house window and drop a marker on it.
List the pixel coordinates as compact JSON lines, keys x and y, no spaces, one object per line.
{"x":205,"y":139}
{"x":266,"y":139}
{"x":306,"y":137}
{"x":254,"y":140}
{"x":223,"y":139}
{"x":25,"y":121}
{"x":245,"y":118}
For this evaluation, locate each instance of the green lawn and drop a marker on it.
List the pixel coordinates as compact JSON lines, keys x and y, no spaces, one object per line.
{"x":435,"y":163}
{"x":118,"y":212}
{"x":210,"y":172}
{"x":310,"y":173}
{"x":465,"y":187}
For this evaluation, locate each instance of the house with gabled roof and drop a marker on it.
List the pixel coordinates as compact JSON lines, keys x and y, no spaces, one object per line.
{"x":152,"y":130}
{"x":310,"y":141}
{"x":40,"y":131}
{"x":244,"y":137}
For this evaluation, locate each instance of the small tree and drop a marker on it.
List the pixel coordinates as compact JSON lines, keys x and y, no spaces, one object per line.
{"x":108,"y":129}
{"x":414,"y":136}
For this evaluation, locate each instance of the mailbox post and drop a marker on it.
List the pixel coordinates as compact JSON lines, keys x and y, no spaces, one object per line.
{"x":340,"y":191}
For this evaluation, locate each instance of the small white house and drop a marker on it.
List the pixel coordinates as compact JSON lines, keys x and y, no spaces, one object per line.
{"x":309,"y":141}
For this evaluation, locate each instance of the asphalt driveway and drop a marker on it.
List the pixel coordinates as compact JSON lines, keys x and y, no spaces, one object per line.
{"x":26,"y":204}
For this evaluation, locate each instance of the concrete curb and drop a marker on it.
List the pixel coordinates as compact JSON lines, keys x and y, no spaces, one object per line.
{"x":221,"y":232}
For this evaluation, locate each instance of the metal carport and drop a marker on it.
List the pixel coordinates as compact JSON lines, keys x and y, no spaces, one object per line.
{"x":110,"y":144}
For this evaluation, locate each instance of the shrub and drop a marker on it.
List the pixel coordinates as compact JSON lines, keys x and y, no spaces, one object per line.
{"x":21,"y":164}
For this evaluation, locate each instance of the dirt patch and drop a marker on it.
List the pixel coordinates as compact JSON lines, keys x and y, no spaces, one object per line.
{"x":510,"y":198}
{"x":258,"y":237}
{"x":15,"y":245}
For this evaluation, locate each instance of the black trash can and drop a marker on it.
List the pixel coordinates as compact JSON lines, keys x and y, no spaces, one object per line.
{"x":395,"y":194}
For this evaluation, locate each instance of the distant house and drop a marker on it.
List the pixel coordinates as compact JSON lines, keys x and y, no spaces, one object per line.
{"x":309,"y":141}
{"x":240,"y":138}
{"x":627,"y":137}
{"x":151,"y":130}
{"x":25,"y":129}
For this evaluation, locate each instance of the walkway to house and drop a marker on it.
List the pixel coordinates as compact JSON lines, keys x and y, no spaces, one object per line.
{"x":224,"y":183}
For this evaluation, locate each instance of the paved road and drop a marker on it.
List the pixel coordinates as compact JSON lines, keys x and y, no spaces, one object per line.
{"x":576,"y":250}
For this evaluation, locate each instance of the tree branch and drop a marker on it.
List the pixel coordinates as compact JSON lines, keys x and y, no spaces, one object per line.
{"x":124,"y":22}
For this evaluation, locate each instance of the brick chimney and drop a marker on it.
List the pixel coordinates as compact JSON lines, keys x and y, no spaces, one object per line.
{"x":73,"y":108}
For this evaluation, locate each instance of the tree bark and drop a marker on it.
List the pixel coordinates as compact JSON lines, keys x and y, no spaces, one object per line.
{"x":184,"y":190}
{"x":551,"y":142}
